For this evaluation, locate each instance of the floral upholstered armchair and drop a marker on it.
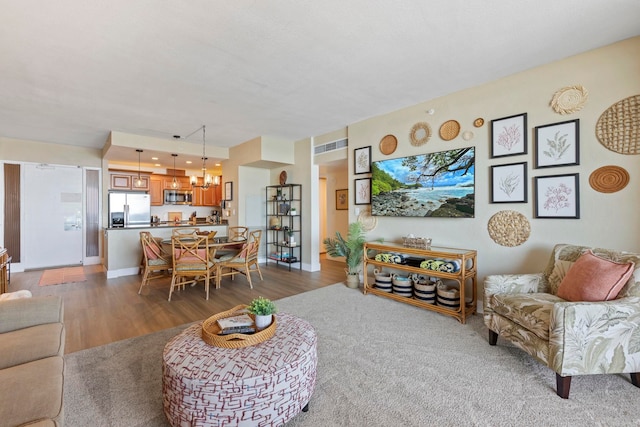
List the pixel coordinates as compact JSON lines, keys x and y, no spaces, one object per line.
{"x":581,"y":316}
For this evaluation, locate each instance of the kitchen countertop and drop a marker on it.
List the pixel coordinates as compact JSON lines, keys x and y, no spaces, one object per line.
{"x":167,"y":224}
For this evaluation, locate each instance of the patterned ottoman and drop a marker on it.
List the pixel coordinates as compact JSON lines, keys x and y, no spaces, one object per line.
{"x":262,"y":385}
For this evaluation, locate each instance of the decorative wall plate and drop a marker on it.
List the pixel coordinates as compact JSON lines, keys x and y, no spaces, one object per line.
{"x":388,"y":144}
{"x":449,"y":130}
{"x":618,"y":128}
{"x":467,"y":135}
{"x":420,"y":134}
{"x":478,"y":122}
{"x":569,"y":99}
{"x":509,"y":228}
{"x":609,"y":179}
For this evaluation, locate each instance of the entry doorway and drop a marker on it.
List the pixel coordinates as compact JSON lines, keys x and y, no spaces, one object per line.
{"x":53,"y":219}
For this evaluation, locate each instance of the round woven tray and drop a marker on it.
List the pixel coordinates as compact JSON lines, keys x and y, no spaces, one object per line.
{"x":449,"y":130}
{"x":618,"y":128}
{"x":509,"y":228}
{"x":609,"y":179}
{"x":478,"y":122}
{"x":211,"y":329}
{"x":388,"y":144}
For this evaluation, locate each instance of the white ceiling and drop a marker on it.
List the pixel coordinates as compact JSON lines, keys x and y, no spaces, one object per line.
{"x":72,"y":71}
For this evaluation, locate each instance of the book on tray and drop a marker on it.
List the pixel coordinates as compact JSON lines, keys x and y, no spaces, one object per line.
{"x":241,"y":324}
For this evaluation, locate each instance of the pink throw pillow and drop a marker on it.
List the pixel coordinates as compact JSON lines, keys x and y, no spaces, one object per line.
{"x":592,"y":278}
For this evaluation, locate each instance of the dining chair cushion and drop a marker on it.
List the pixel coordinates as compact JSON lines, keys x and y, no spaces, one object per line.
{"x":158,"y":261}
{"x":247,"y":248}
{"x":202,"y":255}
{"x":194,"y":267}
{"x":152,"y":250}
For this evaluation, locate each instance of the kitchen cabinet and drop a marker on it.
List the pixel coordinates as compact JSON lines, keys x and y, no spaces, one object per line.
{"x":156,"y":190}
{"x":464,"y":276}
{"x":126,"y":181}
{"x":183,"y":182}
{"x":209,"y":197}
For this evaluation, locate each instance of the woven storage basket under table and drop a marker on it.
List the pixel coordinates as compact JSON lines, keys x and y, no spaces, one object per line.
{"x":211,"y":330}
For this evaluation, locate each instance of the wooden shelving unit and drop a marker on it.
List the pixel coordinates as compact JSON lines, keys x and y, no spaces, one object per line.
{"x":466,"y":277}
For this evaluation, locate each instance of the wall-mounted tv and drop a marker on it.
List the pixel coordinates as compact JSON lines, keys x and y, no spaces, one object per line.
{"x":440,"y":184}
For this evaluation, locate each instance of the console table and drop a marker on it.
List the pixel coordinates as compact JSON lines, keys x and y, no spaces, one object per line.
{"x":465,"y":277}
{"x":265,"y":384}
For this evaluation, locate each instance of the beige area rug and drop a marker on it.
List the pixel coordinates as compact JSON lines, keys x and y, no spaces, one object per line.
{"x":380,"y":363}
{"x":58,"y":276}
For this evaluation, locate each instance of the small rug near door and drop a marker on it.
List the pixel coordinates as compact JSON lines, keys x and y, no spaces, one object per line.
{"x":62,"y":275}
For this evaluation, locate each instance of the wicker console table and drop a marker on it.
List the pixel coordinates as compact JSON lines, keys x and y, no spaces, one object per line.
{"x":465,"y":277}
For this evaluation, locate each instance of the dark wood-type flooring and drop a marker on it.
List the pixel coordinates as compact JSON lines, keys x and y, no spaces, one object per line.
{"x":100,"y":310}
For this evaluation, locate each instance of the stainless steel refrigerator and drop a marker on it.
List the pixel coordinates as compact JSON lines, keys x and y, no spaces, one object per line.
{"x":129,"y":209}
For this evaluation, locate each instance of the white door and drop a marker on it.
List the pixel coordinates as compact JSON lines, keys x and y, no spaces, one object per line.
{"x":52,"y":226}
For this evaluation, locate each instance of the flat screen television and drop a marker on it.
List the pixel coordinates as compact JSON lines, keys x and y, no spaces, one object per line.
{"x":440,"y":184}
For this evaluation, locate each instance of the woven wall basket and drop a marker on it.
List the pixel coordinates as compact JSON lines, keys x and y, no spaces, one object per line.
{"x":609,"y":179}
{"x":388,"y":144}
{"x":618,"y":128}
{"x":569,"y":99}
{"x":509,"y":228}
{"x":449,"y":130}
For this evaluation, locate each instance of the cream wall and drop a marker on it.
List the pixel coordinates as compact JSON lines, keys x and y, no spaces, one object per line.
{"x":17,"y":150}
{"x":607,"y":220}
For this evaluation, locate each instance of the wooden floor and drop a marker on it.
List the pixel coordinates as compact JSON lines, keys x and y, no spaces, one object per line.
{"x":101,"y":310}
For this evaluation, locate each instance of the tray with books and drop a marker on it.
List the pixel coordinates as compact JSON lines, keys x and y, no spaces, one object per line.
{"x":232,"y":335}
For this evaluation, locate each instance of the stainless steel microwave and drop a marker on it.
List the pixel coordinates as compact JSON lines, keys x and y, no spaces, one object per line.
{"x":178,"y":197}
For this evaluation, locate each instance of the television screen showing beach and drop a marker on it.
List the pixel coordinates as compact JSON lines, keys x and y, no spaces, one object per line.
{"x":437,"y":184}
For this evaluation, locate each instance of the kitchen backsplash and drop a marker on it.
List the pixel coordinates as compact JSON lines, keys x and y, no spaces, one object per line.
{"x":201,"y":211}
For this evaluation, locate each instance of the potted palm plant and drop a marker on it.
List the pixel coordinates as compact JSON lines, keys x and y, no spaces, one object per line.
{"x":352,"y":248}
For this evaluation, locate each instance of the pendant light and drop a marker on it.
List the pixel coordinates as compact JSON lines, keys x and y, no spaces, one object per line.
{"x":175,"y":184}
{"x":138,"y":183}
{"x":206,"y":178}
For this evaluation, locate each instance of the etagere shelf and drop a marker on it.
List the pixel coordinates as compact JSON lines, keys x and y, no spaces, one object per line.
{"x":465,"y":277}
{"x":284,"y":224}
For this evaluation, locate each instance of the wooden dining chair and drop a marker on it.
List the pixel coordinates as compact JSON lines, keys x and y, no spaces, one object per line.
{"x":185,"y":231}
{"x":238,"y":234}
{"x":191,"y":262}
{"x":154,"y":259}
{"x":244,"y":262}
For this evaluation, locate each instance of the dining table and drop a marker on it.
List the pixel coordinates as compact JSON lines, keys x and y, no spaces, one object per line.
{"x":214,"y":245}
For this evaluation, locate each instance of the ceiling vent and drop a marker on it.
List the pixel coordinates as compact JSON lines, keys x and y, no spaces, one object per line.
{"x":330,"y":146}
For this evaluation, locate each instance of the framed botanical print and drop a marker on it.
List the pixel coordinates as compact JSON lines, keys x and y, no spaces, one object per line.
{"x":557,"y":196}
{"x":342,"y":199}
{"x":362,"y":160}
{"x":228,"y":190}
{"x":558,"y":144}
{"x":362,"y":191}
{"x":509,"y":136}
{"x":509,"y":183}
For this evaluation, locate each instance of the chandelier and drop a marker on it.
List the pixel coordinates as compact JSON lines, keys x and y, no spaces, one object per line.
{"x":207,"y":181}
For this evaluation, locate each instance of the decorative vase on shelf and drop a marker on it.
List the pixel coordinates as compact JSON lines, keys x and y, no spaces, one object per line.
{"x":262,"y":321}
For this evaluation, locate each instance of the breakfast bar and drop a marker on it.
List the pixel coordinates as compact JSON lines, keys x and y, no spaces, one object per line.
{"x":122,"y":249}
